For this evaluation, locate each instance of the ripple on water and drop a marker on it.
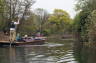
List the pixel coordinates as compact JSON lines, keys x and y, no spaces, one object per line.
{"x":47,"y":44}
{"x":42,"y":60}
{"x":63,"y":58}
{"x":73,"y":62}
{"x":54,"y":45}
{"x":66,"y":60}
{"x":38,"y":56}
{"x":69,"y":58}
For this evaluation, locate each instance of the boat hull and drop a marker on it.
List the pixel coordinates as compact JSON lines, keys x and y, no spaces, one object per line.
{"x":35,"y":42}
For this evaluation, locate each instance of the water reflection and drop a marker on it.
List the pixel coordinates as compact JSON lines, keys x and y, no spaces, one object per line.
{"x":86,"y":55}
{"x":4,"y":55}
{"x":47,"y":53}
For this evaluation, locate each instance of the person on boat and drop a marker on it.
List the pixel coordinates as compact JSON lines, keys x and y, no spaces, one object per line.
{"x":38,"y":34}
{"x":18,"y":38}
{"x":27,"y":39}
{"x":13,"y":25}
{"x":25,"y":36}
{"x":5,"y":31}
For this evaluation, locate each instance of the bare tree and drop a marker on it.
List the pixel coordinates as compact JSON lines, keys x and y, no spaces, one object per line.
{"x":42,"y":16}
{"x":19,"y":8}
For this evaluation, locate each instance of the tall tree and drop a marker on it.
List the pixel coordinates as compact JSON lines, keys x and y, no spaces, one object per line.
{"x":91,"y":26}
{"x":42,"y":18}
{"x":60,"y":19}
{"x":3,"y":15}
{"x":87,"y":8}
{"x":87,"y":5}
{"x":19,"y":8}
{"x":14,"y":9}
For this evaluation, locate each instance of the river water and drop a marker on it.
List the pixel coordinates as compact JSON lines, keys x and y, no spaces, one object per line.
{"x":60,"y":51}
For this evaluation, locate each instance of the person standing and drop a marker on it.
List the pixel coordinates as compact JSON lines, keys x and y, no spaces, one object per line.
{"x":13,"y":25}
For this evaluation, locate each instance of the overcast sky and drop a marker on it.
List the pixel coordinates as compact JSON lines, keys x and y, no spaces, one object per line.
{"x":50,"y":5}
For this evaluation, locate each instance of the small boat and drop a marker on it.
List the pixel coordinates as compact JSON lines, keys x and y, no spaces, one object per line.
{"x":34,"y":42}
{"x":4,"y":40}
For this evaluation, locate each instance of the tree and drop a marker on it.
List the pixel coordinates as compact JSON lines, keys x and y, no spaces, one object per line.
{"x":3,"y":17}
{"x":87,"y":5}
{"x":91,"y":26}
{"x":29,"y":26}
{"x":19,"y":9}
{"x":80,"y":25}
{"x":60,"y":19}
{"x":14,"y":9}
{"x":86,"y":19}
{"x":42,"y":18}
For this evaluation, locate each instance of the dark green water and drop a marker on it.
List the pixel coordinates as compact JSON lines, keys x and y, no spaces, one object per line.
{"x":55,"y":51}
{"x":85,"y":54}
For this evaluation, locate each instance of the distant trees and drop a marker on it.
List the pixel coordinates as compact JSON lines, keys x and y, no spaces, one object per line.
{"x":18,"y":8}
{"x":14,"y":9}
{"x":59,"y":20}
{"x":41,"y":19}
{"x":33,"y":21}
{"x":28,"y":26}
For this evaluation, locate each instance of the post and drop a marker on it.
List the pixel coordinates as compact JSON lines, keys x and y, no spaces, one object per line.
{"x":10,"y":10}
{"x":40,"y":24}
{"x":10,"y":18}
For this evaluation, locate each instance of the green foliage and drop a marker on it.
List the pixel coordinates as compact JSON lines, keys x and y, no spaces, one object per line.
{"x":28,"y":26}
{"x":58,"y":16}
{"x":47,"y":32}
{"x":85,"y":19}
{"x":2,"y":6}
{"x":76,"y":22}
{"x":41,"y":19}
{"x":80,"y":24}
{"x":3,"y":19}
{"x":59,"y":20}
{"x":87,"y":5}
{"x":91,"y":26}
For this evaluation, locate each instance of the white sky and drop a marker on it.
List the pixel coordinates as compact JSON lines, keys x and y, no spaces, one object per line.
{"x":50,"y":5}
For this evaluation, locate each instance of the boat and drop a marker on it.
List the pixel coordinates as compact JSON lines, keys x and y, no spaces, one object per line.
{"x":4,"y":40}
{"x":34,"y":42}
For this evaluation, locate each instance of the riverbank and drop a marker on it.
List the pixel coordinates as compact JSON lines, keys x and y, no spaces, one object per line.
{"x":90,"y":44}
{"x":58,"y":38}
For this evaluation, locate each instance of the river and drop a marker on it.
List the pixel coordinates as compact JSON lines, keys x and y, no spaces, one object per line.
{"x":55,"y":51}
